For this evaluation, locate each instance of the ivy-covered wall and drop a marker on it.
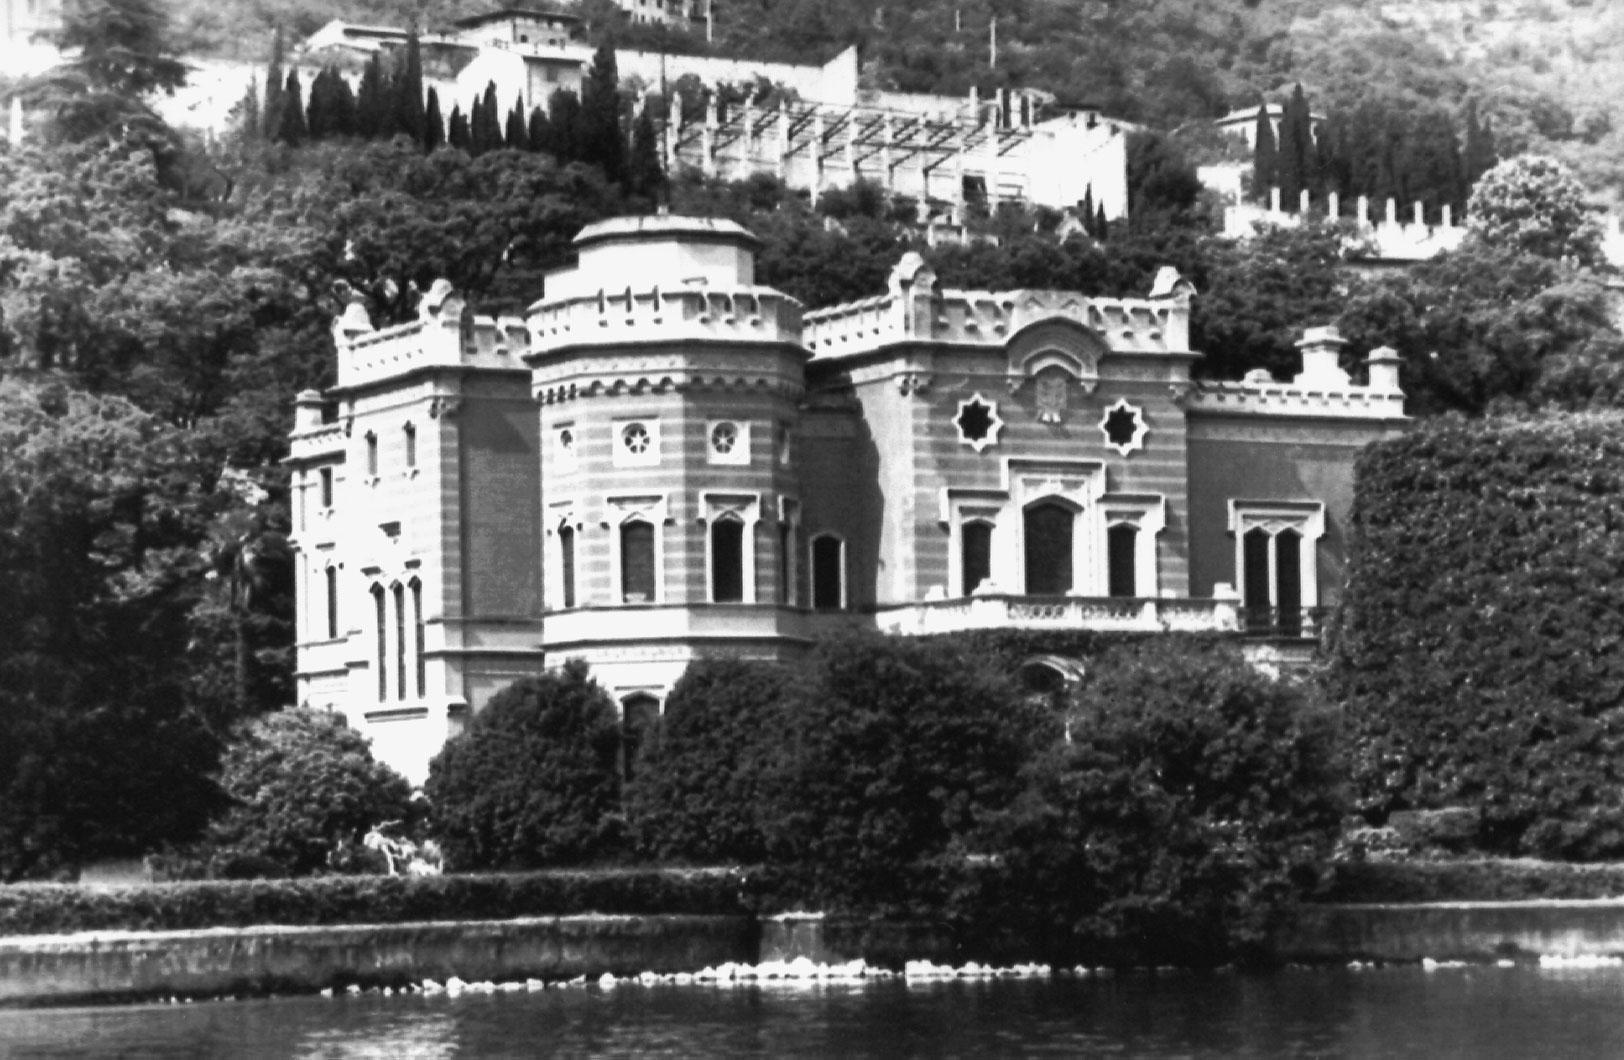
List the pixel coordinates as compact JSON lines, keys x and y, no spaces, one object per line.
{"x":1481,"y":651}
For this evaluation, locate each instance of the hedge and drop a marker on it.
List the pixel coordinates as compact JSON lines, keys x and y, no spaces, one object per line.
{"x":1479,"y":880}
{"x":1481,"y":648}
{"x":35,"y":909}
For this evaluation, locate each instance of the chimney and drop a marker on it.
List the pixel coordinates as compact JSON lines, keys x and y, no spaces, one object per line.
{"x":307,"y":411}
{"x":1322,"y":348}
{"x":1383,"y":364}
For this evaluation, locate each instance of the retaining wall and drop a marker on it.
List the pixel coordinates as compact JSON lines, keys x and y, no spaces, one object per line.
{"x":1467,"y":931}
{"x":110,"y":965}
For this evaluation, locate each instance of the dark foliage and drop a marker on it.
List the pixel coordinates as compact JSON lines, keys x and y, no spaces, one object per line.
{"x":1471,"y":880}
{"x":303,"y":790}
{"x":36,"y":909}
{"x":534,"y":780}
{"x":1479,"y":654}
{"x":697,"y":790}
{"x":1191,"y":802}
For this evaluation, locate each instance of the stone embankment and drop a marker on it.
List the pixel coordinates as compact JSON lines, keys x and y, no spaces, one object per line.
{"x":531,"y":953}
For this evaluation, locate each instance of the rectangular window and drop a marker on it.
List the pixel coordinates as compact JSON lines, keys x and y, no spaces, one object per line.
{"x":977,"y":559}
{"x":828,"y":577}
{"x":417,"y":617}
{"x":332,"y":603}
{"x":566,"y":563}
{"x":637,"y":562}
{"x":326,"y":487}
{"x":400,"y":642}
{"x":727,"y":561}
{"x":372,"y":454}
{"x":1122,"y":559}
{"x":411,"y":445}
{"x":382,"y":661}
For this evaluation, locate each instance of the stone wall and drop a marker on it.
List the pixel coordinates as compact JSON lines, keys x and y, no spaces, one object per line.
{"x":112,"y":965}
{"x":1466,"y":931}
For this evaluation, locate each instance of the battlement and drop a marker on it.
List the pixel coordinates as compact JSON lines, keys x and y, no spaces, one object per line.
{"x":315,"y":443}
{"x":917,"y":311}
{"x":1322,"y":390}
{"x":735,"y":314}
{"x":445,"y":335}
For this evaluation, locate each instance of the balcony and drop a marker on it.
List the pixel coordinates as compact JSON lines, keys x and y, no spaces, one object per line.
{"x":1284,"y":623}
{"x":1120,"y":614}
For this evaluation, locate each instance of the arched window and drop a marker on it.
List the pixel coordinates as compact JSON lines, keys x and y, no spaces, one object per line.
{"x":411,"y":444}
{"x":372,"y":454}
{"x":727,"y":560}
{"x":399,"y":592}
{"x":976,"y":537}
{"x":566,"y":564}
{"x":639,"y":717}
{"x":828,"y":572}
{"x":332,"y":603}
{"x":1122,"y":560}
{"x":1257,"y":594}
{"x":1288,"y":582}
{"x":637,"y":562}
{"x":382,"y":660}
{"x":417,"y":621}
{"x":1275,"y":563}
{"x":1049,"y":527}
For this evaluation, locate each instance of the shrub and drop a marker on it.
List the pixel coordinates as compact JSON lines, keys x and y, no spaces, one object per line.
{"x":304,"y":789}
{"x":1481,"y":652}
{"x":34,"y":909}
{"x":1471,"y":880}
{"x":1192,"y":800}
{"x":534,"y":780}
{"x":894,"y":752}
{"x":696,"y":793}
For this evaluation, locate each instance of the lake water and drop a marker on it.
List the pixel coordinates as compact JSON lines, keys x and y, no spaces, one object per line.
{"x":1485,"y":1012}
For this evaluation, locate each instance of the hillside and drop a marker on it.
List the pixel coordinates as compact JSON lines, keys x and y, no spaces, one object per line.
{"x":1541,"y":70}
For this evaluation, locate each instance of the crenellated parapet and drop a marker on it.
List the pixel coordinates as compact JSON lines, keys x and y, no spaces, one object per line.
{"x":918,"y":311}
{"x":446,"y":334}
{"x":740,"y":314}
{"x":1322,"y":390}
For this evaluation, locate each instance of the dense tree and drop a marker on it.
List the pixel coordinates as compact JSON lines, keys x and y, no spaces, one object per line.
{"x":645,"y":175}
{"x":1534,"y":205}
{"x":292,"y":128}
{"x":433,"y":122}
{"x":534,"y":779}
{"x":303,"y":790}
{"x":602,"y":141}
{"x":1265,"y":155}
{"x":409,"y":114}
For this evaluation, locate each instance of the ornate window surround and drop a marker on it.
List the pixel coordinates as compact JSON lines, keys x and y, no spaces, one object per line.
{"x":745,"y":507}
{"x":1305,"y":517}
{"x":739,"y":455}
{"x":620,"y":509}
{"x":624,"y":457}
{"x":559,"y":515}
{"x":1148,"y":513}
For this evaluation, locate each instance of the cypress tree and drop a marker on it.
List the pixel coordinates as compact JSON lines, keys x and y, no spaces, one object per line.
{"x":564,"y":118}
{"x":316,"y":121}
{"x":433,"y":123}
{"x":248,"y":112}
{"x":540,"y":132}
{"x":486,"y":125}
{"x":515,"y":136}
{"x":1086,"y":208}
{"x":341,"y":105}
{"x":601,"y":140}
{"x":410,"y":116}
{"x":292,"y":129}
{"x":644,"y":174}
{"x":1264,"y":165}
{"x":275,"y":80}
{"x":1295,"y":148}
{"x":1101,"y":228}
{"x":457,"y":134}
{"x":369,"y":102}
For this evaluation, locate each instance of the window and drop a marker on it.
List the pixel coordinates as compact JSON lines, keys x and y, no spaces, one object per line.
{"x":828,"y":572}
{"x":1124,"y":427}
{"x":727,"y":560}
{"x":637,"y":562}
{"x":382,"y":659}
{"x":786,"y":439}
{"x":639,"y":718}
{"x":975,"y":543}
{"x":326,"y":475}
{"x":1121,"y":559}
{"x":411,"y":445}
{"x":399,"y":592}
{"x":637,"y":443}
{"x":564,"y":448}
{"x":1276,"y":563}
{"x":417,"y":619}
{"x":566,"y":565}
{"x":978,"y":422}
{"x":1049,"y":527}
{"x":332,"y":603}
{"x":372,"y":454}
{"x":727,"y":442}
{"x":789,"y":525}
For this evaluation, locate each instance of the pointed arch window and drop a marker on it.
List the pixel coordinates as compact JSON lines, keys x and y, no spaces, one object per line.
{"x":381,"y":659}
{"x":566,"y":565}
{"x":637,"y":561}
{"x":399,"y":592}
{"x":1050,"y":529}
{"x":332,"y":602}
{"x":1277,"y":563}
{"x":975,"y":537}
{"x":418,"y":638}
{"x":727,"y":559}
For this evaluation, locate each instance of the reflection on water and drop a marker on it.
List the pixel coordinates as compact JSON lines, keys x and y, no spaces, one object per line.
{"x":1399,"y":1012}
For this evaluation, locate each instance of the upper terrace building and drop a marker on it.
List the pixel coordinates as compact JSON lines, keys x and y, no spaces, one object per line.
{"x":664,"y":459}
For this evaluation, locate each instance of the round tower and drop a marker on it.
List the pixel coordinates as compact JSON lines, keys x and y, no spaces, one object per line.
{"x":667,"y":384}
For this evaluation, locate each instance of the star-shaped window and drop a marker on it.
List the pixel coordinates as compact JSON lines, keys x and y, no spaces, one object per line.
{"x":1124,"y":427}
{"x":978,"y":422}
